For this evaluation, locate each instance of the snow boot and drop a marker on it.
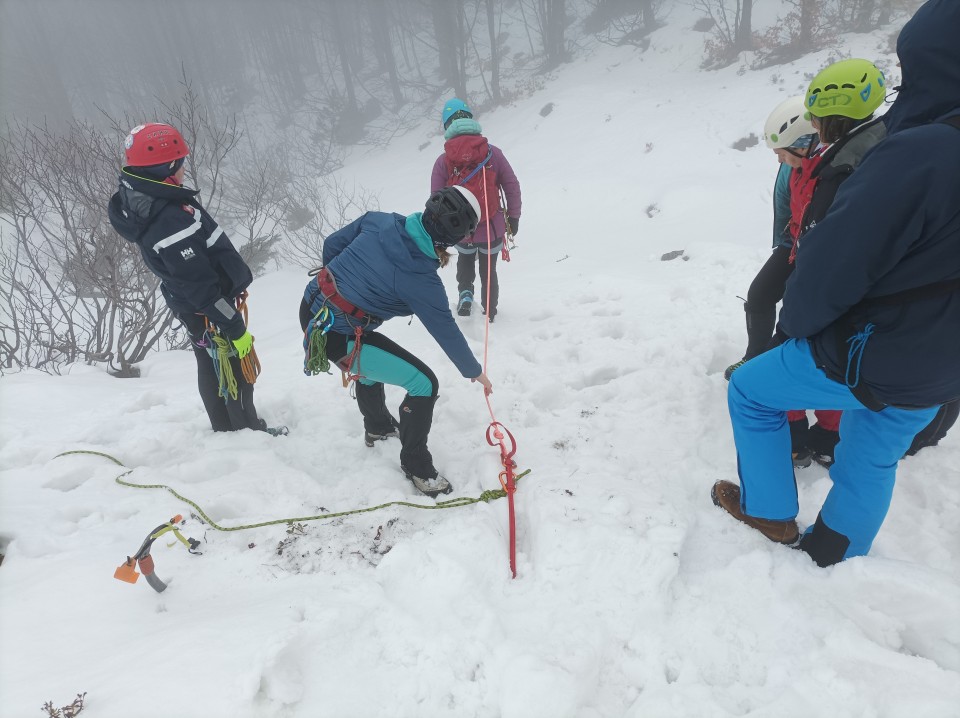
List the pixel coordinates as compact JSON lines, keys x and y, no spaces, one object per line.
{"x":432,"y":484}
{"x":273,"y":430}
{"x":821,"y":443}
{"x":802,"y":456}
{"x":726,"y":495}
{"x":733,"y":367}
{"x":370,"y":438}
{"x":465,"y":303}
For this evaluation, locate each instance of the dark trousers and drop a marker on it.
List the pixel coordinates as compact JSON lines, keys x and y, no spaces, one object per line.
{"x":416,"y":412}
{"x":467,"y":272}
{"x":229,"y":414}
{"x":936,"y":429}
{"x":761,"y":306}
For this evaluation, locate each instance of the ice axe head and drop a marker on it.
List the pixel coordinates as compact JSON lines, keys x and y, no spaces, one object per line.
{"x":127,"y":571}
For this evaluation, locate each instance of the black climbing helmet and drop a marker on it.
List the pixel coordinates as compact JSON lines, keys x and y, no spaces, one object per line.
{"x":451,"y":214}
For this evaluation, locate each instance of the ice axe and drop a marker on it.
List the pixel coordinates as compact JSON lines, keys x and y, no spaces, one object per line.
{"x":127,"y":571}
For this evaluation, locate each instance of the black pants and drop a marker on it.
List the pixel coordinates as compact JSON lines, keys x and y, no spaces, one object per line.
{"x":761,"y":306}
{"x":416,"y":412}
{"x":467,"y":272}
{"x":936,"y":429}
{"x":229,"y":414}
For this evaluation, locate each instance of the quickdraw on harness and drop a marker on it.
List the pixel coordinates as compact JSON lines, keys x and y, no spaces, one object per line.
{"x":221,"y":350}
{"x":143,"y":559}
{"x":315,"y":339}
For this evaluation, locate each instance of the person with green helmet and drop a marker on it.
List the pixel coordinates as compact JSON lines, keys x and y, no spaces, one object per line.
{"x":870,"y":315}
{"x":839,"y":104}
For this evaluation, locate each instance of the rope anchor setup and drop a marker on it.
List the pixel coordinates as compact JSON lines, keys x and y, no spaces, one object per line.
{"x":142,"y":558}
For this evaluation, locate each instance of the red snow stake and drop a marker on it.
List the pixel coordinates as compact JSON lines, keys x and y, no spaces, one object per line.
{"x":495,"y":437}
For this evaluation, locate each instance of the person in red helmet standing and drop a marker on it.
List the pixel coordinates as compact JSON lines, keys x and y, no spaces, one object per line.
{"x":202,"y":276}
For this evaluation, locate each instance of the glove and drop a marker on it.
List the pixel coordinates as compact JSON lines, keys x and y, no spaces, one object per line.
{"x":244,"y":344}
{"x":514,"y":225}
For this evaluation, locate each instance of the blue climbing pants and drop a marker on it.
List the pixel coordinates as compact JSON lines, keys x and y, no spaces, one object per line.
{"x":871,"y":443}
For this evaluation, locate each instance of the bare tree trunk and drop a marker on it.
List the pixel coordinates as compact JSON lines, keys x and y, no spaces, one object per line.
{"x":554,"y":19}
{"x":744,"y":38}
{"x":447,"y":30}
{"x":380,"y":29}
{"x":494,"y":54}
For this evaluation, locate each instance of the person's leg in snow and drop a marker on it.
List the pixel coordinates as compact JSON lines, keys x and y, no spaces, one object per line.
{"x":383,"y":361}
{"x":490,"y":311}
{"x":759,"y":395}
{"x":466,"y":275}
{"x":225,"y":414}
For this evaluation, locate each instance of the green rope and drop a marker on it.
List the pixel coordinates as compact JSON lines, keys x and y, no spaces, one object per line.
{"x":317,"y":361}
{"x":228,"y":382}
{"x":486,"y":497}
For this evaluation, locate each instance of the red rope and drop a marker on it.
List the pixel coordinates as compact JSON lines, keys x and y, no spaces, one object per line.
{"x":497,"y":432}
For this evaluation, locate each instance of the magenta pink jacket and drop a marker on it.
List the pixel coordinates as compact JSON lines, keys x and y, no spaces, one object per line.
{"x":506,"y":179}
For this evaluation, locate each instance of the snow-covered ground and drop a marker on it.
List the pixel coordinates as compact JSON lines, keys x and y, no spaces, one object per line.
{"x":635,"y":596}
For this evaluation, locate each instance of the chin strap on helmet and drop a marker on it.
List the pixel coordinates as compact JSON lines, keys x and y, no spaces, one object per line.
{"x":143,"y":559}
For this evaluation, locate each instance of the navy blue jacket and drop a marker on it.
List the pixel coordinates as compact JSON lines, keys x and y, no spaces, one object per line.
{"x":385,"y":264}
{"x":200,"y":270}
{"x":894,"y":226}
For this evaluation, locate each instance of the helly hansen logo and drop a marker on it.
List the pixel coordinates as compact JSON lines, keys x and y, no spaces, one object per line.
{"x":187,"y":253}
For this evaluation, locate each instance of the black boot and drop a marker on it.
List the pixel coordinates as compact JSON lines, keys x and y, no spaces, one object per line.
{"x":377,"y":421}
{"x":416,"y":418}
{"x":760,"y":325}
{"x":802,"y":456}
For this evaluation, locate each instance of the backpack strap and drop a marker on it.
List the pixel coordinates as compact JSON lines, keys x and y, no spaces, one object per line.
{"x":477,"y":168}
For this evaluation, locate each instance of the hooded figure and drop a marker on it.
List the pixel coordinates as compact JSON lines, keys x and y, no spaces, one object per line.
{"x":873,"y":312}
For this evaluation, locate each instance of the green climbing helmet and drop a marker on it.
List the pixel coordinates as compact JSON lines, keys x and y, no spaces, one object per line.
{"x":852,"y":88}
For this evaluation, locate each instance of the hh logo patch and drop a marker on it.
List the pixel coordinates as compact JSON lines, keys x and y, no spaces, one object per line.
{"x":187,"y":253}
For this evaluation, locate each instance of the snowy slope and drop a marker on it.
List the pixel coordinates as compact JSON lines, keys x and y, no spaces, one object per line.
{"x":634,"y":597}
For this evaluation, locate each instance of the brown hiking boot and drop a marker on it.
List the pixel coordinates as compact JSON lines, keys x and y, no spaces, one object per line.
{"x":726,"y":495}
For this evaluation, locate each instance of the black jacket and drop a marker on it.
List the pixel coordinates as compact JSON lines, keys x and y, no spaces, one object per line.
{"x":894,"y":227}
{"x":200,"y":270}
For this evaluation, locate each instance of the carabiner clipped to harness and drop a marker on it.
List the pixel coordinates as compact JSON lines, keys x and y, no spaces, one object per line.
{"x":142,"y":558}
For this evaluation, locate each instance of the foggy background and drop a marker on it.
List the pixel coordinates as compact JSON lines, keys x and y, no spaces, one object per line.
{"x":271,"y":97}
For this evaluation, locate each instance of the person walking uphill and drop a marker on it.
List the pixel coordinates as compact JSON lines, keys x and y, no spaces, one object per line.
{"x":872,"y":313}
{"x":202,"y":276}
{"x":469,"y":160}
{"x":379,"y":267}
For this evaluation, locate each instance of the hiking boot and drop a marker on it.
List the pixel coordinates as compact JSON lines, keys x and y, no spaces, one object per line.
{"x":821,"y":443}
{"x":431,"y":486}
{"x":371,"y":437}
{"x":491,"y":315}
{"x":465,"y":303}
{"x":726,"y":495}
{"x":732,"y":368}
{"x":802,"y":458}
{"x":273,"y":430}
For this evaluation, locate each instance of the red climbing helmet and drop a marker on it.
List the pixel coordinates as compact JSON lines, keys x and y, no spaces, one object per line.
{"x":154,"y":143}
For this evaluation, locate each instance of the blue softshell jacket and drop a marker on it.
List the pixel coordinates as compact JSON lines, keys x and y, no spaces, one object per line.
{"x":894,"y":226}
{"x":385,"y":264}
{"x":200,"y":270}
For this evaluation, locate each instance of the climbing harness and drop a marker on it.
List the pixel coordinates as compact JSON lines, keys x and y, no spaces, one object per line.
{"x":143,"y":559}
{"x":221,"y":350}
{"x":315,"y":341}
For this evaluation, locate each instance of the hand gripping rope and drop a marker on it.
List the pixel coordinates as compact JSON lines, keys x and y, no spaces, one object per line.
{"x":497,"y":432}
{"x":143,"y":559}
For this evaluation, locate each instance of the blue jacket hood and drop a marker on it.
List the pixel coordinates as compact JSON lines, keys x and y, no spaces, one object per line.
{"x":929,"y":52}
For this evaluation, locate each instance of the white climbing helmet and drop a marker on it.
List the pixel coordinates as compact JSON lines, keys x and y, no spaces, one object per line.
{"x":788,"y":122}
